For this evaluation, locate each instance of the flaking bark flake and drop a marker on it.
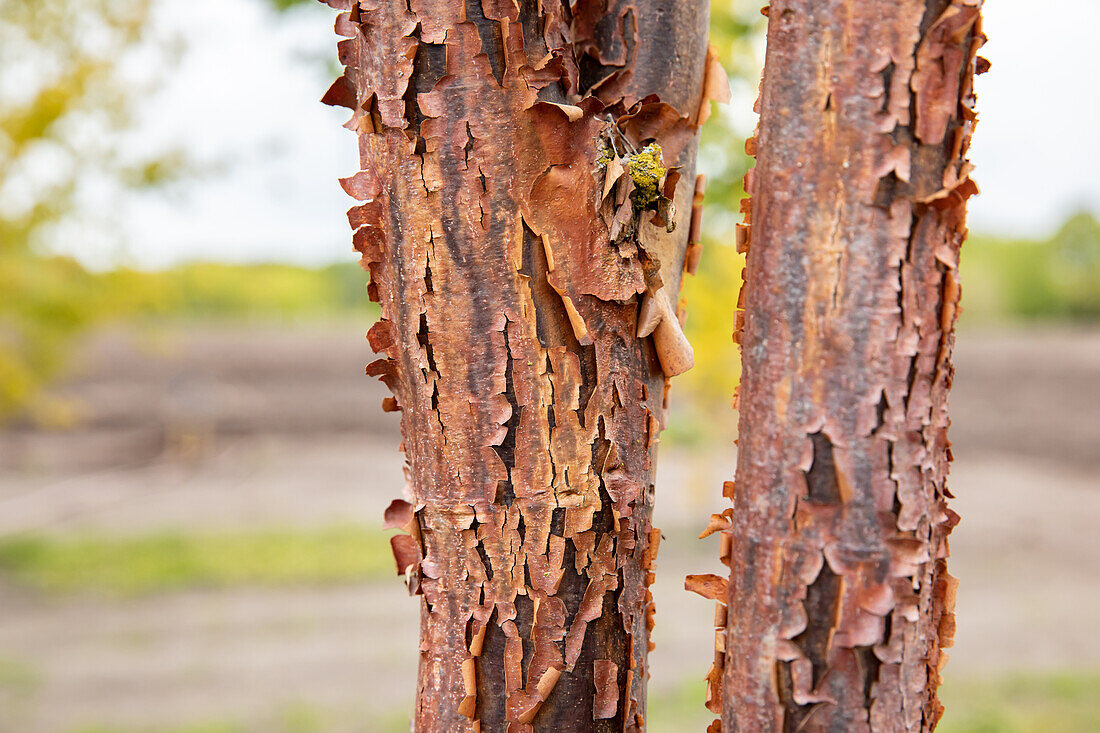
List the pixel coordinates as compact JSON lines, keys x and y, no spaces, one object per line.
{"x":509,"y":335}
{"x":839,"y":604}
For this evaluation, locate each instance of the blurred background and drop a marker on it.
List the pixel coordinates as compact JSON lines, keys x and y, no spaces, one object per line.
{"x":193,"y":466}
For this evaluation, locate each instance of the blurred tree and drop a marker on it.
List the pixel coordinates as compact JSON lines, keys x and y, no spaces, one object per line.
{"x":70,"y":72}
{"x":1054,"y":279}
{"x":1074,"y":272}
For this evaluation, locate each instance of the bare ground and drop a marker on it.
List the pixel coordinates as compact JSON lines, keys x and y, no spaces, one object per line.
{"x":210,"y":428}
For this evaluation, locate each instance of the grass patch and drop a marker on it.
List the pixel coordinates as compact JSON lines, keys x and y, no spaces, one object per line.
{"x":1022,"y":703}
{"x":1017,"y":703}
{"x":168,"y":561}
{"x":209,"y":727}
{"x":293,"y":718}
{"x":679,"y":709}
{"x":213,"y":727}
{"x":17,"y":676}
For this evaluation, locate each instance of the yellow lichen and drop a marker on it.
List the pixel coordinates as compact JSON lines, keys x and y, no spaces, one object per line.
{"x":605,"y":156}
{"x":646,"y":169}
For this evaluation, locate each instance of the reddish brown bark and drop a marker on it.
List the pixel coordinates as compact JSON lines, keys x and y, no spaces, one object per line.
{"x":528,"y":329}
{"x":839,"y":600}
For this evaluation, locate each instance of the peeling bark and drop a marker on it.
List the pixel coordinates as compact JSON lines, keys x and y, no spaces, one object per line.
{"x":839,"y":601}
{"x":516,"y":245}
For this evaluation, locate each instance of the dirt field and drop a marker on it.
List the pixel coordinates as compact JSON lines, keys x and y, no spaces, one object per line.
{"x":201,"y":429}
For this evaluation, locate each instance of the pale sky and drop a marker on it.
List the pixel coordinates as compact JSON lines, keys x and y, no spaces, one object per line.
{"x":245,"y":97}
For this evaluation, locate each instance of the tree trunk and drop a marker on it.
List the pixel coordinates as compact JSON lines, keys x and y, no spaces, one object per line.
{"x":518,"y":237}
{"x":839,"y":599}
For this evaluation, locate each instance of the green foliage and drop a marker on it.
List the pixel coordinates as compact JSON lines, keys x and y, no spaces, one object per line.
{"x":64,"y":100}
{"x":734,"y":28}
{"x":261,"y":292}
{"x":50,"y":299}
{"x":711,"y":299}
{"x":58,"y":298}
{"x":1016,"y":279}
{"x":158,"y":562}
{"x":284,"y":5}
{"x":711,"y":295}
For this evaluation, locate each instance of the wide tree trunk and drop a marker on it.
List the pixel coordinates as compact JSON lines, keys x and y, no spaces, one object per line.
{"x":839,"y":601}
{"x":520,"y":238}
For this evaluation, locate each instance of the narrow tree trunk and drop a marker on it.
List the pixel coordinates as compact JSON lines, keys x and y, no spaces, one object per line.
{"x":839,"y":600}
{"x":517,"y":234}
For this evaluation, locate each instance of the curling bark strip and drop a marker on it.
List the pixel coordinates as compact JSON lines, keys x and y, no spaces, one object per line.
{"x":527,"y":265}
{"x":839,"y":603}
